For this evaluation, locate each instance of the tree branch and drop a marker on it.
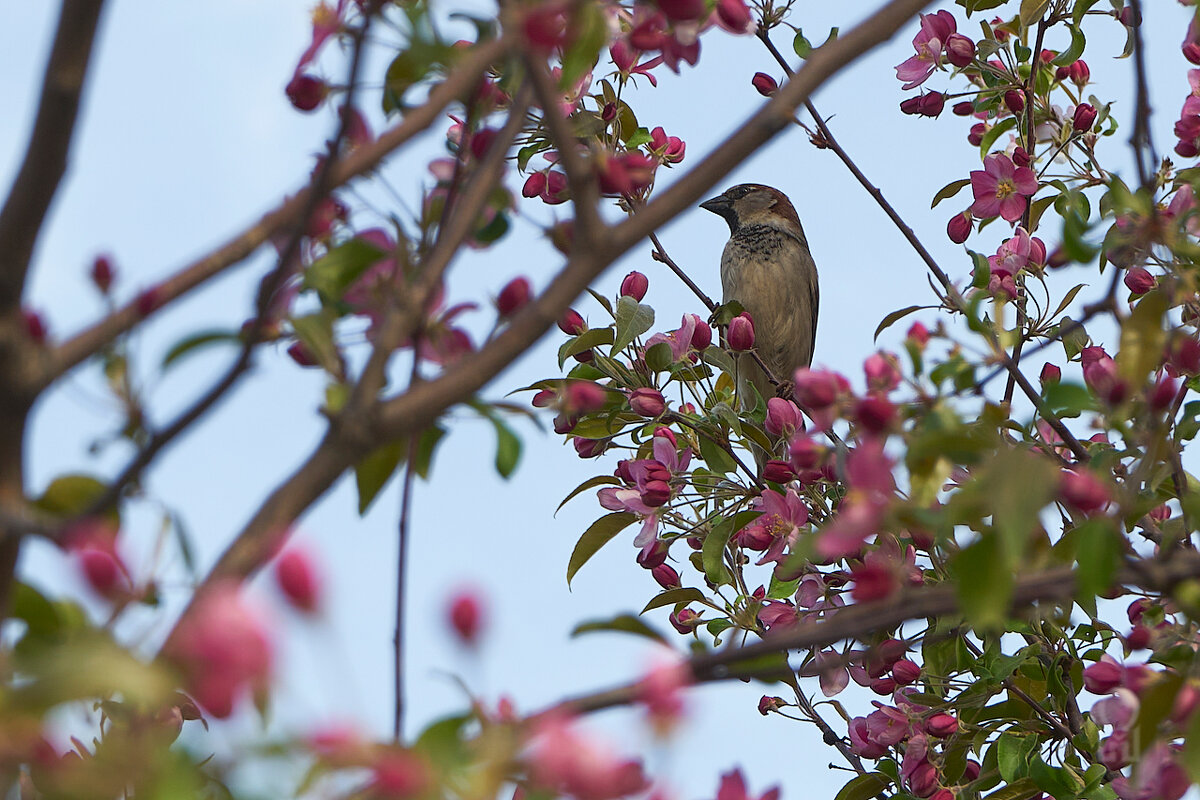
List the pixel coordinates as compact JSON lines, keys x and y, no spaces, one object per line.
{"x":364,"y":159}
{"x":45,"y":160}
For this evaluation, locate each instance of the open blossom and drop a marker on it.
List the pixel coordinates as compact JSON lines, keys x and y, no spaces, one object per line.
{"x":668,"y":149}
{"x":1001,"y":188}
{"x":647,"y":486}
{"x":693,"y":334}
{"x":563,"y":759}
{"x":627,"y":60}
{"x":929,"y":43}
{"x":780,"y":523}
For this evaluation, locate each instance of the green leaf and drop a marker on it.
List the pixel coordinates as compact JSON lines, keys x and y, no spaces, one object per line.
{"x":1013,"y":755}
{"x":70,"y":495}
{"x":1018,"y":486}
{"x":595,"y":537}
{"x":947,"y":191}
{"x":1099,"y":555}
{"x":316,"y":332}
{"x":589,"y":339}
{"x":598,"y":480}
{"x":717,"y":458}
{"x":864,"y":787}
{"x":1023,"y":789}
{"x":1074,"y":51}
{"x":198,"y":341}
{"x":1142,"y":339}
{"x":1032,"y":11}
{"x":590,"y":29}
{"x":985,"y":583}
{"x":335,"y":271}
{"x":373,"y":472}
{"x":801,"y":45}
{"x":1055,"y":781}
{"x":622,"y":623}
{"x":1069,"y":399}
{"x":995,"y":132}
{"x":633,"y":319}
{"x":673,"y":597}
{"x":894,"y":317}
{"x":1191,"y":749}
{"x":426,"y":445}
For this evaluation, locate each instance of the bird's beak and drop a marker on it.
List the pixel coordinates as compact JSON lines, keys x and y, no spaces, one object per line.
{"x":718,"y":205}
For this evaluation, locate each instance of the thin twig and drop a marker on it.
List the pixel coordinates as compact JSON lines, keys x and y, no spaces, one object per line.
{"x":1142,"y":141}
{"x":364,"y":159}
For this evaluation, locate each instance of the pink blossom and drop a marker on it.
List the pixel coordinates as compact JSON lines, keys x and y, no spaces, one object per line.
{"x":399,"y":774}
{"x":783,"y":418}
{"x":692,"y":333}
{"x":1156,"y":776}
{"x":661,"y":691}
{"x":298,"y":579}
{"x":764,"y":84}
{"x":626,"y":173}
{"x":959,"y":227}
{"x":668,"y":149}
{"x":326,"y":21}
{"x":626,"y":58}
{"x":635,"y":285}
{"x":781,"y":520}
{"x":647,"y":402}
{"x":1104,"y":676}
{"x":740,"y":334}
{"x":733,"y":787}
{"x":929,"y":43}
{"x":515,"y":295}
{"x":222,"y":648}
{"x":1084,"y":492}
{"x":465,"y":612}
{"x":882,"y":373}
{"x":734,"y":16}
{"x":1001,"y":188}
{"x":564,"y":759}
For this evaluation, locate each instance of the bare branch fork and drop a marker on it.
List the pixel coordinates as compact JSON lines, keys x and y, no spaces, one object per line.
{"x":349,"y":438}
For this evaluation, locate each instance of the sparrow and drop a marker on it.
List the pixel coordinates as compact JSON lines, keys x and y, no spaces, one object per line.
{"x":767,"y":267}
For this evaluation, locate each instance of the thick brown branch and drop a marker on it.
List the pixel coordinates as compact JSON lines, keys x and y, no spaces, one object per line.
{"x":45,"y":160}
{"x":361,"y":161}
{"x":856,"y":622}
{"x":417,"y":408}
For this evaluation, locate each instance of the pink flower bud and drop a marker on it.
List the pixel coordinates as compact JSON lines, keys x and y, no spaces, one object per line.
{"x":1130,"y":19}
{"x":1186,"y":700}
{"x":666,"y":576}
{"x":1085,"y":117}
{"x":585,"y":397}
{"x":297,"y":579}
{"x":148,"y":301}
{"x":656,"y":493}
{"x":649,"y":558}
{"x":299,"y":352}
{"x":102,"y":569}
{"x":778,"y":471}
{"x":905,"y":671}
{"x":701,"y":334}
{"x":764,"y":84}
{"x":545,"y":27}
{"x":589,"y":448}
{"x":1083,"y":491}
{"x":960,"y":51}
{"x":571,"y":323}
{"x":609,"y":112}
{"x":964,"y":109}
{"x":972,"y":771}
{"x":975,"y":137}
{"x":1138,"y":638}
{"x":685,"y":620}
{"x":768,"y":704}
{"x":535,"y":184}
{"x":734,"y":14}
{"x":1184,"y":355}
{"x":941,"y":725}
{"x":635,"y":285}
{"x":545,"y":398}
{"x":35,"y":326}
{"x":1050,"y":374}
{"x":918,"y":334}
{"x":929,"y":104}
{"x":465,"y":614}
{"x":805,"y":453}
{"x":1079,"y":73}
{"x":882,"y":686}
{"x":647,"y":402}
{"x":306,"y":92}
{"x":881,"y":373}
{"x":1015,"y":100}
{"x":783,"y":418}
{"x":741,"y":333}
{"x":1103,"y":677}
{"x":513,"y":297}
{"x":682,"y":10}
{"x":959,"y":227}
{"x":1191,"y":51}
{"x":1021,"y":158}
{"x":1165,"y":390}
{"x":876,"y":414}
{"x":817,"y":389}
{"x":872,"y":581}
{"x":1139,"y":280}
{"x":103,"y":273}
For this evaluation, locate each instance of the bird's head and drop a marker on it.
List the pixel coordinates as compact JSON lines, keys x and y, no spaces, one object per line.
{"x":753,"y":204}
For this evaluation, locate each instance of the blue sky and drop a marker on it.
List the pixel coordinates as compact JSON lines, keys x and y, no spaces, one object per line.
{"x":186,"y":135}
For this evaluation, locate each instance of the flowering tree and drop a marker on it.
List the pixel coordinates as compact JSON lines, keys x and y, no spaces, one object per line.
{"x":1002,"y":553}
